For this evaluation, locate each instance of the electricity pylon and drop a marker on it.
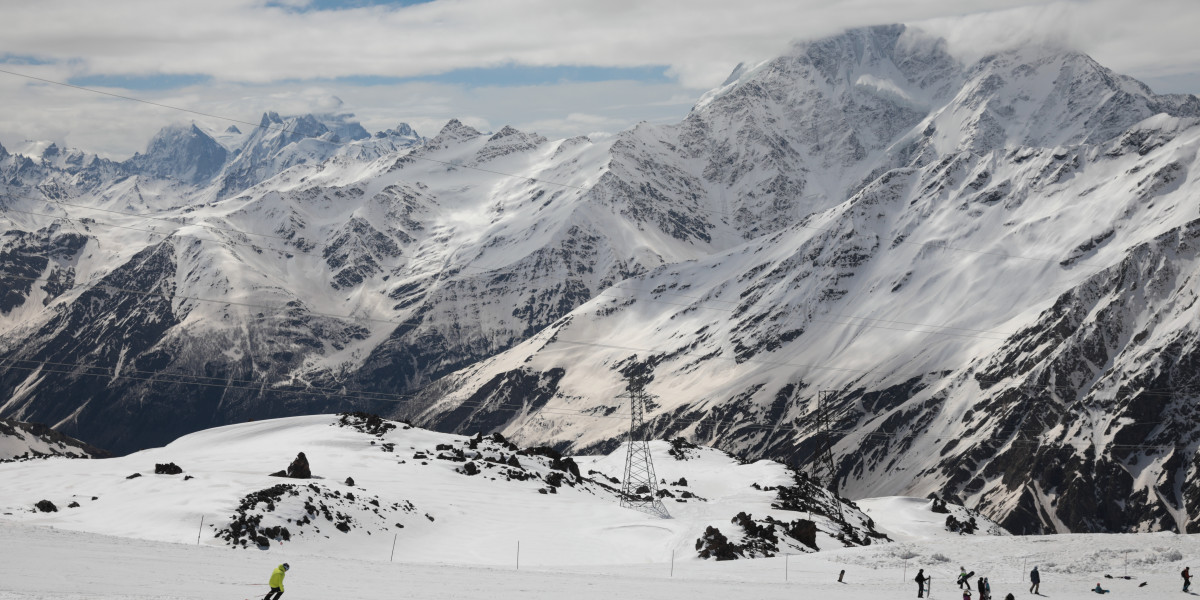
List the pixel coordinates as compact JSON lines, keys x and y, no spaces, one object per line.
{"x":823,"y":455}
{"x":639,"y":490}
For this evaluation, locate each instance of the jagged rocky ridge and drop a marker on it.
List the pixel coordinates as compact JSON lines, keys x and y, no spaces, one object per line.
{"x":30,"y":441}
{"x":947,"y":246}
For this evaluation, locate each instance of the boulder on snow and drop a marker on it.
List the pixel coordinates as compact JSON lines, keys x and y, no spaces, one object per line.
{"x":299,"y":469}
{"x":167,"y":469}
{"x":46,"y":506}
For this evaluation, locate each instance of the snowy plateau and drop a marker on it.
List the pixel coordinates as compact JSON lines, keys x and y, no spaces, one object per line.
{"x":394,"y":510}
{"x":990,"y":267}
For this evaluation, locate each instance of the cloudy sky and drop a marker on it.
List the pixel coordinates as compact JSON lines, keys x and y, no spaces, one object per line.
{"x":558,"y":67}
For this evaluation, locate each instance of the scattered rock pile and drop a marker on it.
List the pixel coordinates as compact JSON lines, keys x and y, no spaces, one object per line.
{"x":306,"y":505}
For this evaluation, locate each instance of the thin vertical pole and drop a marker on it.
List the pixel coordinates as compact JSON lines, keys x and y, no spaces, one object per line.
{"x":904,"y":577}
{"x":785,"y":566}
{"x":201,"y":530}
{"x":672,"y":563}
{"x":1024,"y":563}
{"x":394,"y":538}
{"x":518,"y":555}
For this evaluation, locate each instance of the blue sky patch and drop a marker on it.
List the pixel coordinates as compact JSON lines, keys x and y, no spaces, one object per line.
{"x":23,"y":59}
{"x":519,"y":75}
{"x":140,"y":82}
{"x":503,"y":76}
{"x":316,"y":5}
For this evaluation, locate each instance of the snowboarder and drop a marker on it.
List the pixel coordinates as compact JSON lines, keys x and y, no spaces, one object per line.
{"x":1099,"y":590}
{"x":920,"y":583}
{"x":1187,"y":578}
{"x":1036,"y":580}
{"x":964,"y":578}
{"x":276,"y":582}
{"x":979,"y":586}
{"x":987,"y":589}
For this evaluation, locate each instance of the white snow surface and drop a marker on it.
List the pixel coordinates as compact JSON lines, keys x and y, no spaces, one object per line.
{"x":452,"y":517}
{"x":50,"y":563}
{"x":488,"y":538}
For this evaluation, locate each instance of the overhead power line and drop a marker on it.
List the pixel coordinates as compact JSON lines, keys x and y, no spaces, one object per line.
{"x":678,"y":424}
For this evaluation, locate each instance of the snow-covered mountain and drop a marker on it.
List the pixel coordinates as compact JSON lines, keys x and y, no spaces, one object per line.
{"x":29,"y":441}
{"x":992,"y":266}
{"x":439,"y":497}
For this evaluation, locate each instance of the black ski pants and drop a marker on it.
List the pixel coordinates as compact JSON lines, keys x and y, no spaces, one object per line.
{"x":274,"y":594}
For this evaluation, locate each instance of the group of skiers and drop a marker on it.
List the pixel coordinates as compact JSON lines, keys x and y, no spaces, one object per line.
{"x":1035,"y":582}
{"x":964,"y":582}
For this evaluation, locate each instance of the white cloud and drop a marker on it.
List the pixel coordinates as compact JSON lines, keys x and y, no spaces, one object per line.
{"x":118,"y":128}
{"x":264,"y":56}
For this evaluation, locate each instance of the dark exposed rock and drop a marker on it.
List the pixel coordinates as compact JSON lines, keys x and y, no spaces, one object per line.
{"x":167,"y":469}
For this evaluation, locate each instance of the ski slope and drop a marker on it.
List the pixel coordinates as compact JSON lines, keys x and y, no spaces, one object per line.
{"x":485,"y":536}
{"x":51,"y":564}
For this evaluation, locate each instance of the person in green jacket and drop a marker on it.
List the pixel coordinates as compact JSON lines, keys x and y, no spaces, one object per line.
{"x":276,"y":582}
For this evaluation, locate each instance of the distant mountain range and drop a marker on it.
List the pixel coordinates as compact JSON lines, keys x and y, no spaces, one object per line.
{"x":991,"y":267}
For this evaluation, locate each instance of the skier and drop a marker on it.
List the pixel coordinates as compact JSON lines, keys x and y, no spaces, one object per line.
{"x":920,"y":583}
{"x":987,"y":589}
{"x":276,"y":582}
{"x":979,"y":586}
{"x":1036,"y":580}
{"x":1187,"y":578}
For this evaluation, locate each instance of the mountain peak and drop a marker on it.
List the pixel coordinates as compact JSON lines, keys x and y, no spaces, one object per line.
{"x":270,"y":118}
{"x":403,"y":130}
{"x":183,"y":152}
{"x":458,"y":129}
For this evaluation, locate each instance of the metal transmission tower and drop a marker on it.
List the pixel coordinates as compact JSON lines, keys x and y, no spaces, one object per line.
{"x":639,"y":490}
{"x":823,"y":455}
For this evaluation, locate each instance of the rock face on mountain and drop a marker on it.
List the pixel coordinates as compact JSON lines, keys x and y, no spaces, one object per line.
{"x":185,"y":153}
{"x":988,"y":268}
{"x":30,"y":441}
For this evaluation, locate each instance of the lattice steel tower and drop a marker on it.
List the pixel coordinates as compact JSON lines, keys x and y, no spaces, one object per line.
{"x":639,"y":490}
{"x":823,"y":466}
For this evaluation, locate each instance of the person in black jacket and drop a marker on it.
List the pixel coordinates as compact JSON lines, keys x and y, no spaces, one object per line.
{"x":1036,"y":580}
{"x":921,"y":583}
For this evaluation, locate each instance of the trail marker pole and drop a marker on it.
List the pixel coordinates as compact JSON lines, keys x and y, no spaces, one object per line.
{"x":672,"y":563}
{"x":201,"y":530}
{"x":393,"y":555}
{"x":904,"y":577}
{"x":518,"y":555}
{"x":1024,"y":563}
{"x":785,"y":566}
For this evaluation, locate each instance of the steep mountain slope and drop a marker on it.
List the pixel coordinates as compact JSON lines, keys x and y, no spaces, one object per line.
{"x":30,"y":441}
{"x":915,"y":300}
{"x":991,"y":264}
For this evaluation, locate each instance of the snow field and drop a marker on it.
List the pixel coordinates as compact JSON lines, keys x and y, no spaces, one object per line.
{"x":52,"y":564}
